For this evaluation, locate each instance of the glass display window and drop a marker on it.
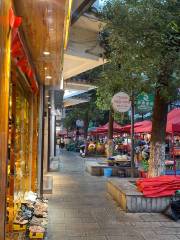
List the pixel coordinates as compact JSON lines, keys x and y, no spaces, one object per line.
{"x":22,"y":163}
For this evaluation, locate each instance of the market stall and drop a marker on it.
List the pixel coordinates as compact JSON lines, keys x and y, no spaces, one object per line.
{"x":101,"y":133}
{"x":172,"y":132}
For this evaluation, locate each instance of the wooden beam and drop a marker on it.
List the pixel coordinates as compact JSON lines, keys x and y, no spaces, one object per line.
{"x":84,"y":6}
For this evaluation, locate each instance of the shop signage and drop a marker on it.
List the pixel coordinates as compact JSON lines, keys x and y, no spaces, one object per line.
{"x":91,"y":124}
{"x":121,"y":102}
{"x":145,"y":102}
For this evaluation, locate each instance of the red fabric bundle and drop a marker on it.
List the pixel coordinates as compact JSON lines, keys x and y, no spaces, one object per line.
{"x":159,"y":186}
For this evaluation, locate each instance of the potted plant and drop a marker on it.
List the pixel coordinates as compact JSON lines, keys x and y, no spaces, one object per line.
{"x":144,"y":170}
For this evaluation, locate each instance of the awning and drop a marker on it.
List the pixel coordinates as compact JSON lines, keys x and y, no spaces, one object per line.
{"x":176,"y":127}
{"x":127,"y":128}
{"x":145,"y":127}
{"x":173,"y":121}
{"x":104,"y":129}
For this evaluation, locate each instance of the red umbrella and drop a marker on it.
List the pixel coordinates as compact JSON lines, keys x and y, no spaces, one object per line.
{"x":176,"y":127}
{"x":173,"y":121}
{"x":104,"y":129}
{"x":127,"y":128}
{"x":145,"y":127}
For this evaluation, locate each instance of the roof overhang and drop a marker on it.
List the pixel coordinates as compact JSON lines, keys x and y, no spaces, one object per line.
{"x":71,"y":102}
{"x":44,"y":28}
{"x":83,"y":52}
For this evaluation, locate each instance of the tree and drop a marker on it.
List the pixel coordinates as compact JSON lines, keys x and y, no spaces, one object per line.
{"x":143,"y":40}
{"x":87,"y":112}
{"x":112,"y":80}
{"x":69,"y":121}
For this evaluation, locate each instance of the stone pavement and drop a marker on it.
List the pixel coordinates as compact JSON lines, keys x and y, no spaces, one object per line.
{"x":80,"y":209}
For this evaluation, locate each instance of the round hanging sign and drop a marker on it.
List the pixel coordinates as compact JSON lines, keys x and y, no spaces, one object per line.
{"x":121,"y":102}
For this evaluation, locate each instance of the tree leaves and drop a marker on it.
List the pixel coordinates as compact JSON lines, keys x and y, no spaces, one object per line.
{"x":140,"y":36}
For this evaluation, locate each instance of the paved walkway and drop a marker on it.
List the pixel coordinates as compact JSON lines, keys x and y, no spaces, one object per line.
{"x":80,"y":209}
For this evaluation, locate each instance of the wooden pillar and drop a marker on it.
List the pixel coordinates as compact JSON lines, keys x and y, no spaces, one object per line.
{"x":12,"y":136}
{"x":4,"y":103}
{"x":35,"y":144}
{"x":41,"y":140}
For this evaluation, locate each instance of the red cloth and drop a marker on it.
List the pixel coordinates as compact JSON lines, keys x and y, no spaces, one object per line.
{"x":159,"y":186}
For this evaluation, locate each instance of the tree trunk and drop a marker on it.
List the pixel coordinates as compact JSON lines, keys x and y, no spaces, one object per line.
{"x":110,"y":145}
{"x":157,"y":152}
{"x":111,"y":121}
{"x":160,"y":111}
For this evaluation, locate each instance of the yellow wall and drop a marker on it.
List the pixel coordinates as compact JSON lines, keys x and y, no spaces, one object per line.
{"x":4,"y":95}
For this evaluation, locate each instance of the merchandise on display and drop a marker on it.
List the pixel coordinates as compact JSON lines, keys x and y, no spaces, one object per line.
{"x":32,"y":216}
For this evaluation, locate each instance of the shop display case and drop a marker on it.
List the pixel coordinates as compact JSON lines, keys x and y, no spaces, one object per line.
{"x":22,"y":156}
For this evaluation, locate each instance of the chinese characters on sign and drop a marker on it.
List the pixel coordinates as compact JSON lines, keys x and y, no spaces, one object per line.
{"x":121,"y":102}
{"x":145,"y":102}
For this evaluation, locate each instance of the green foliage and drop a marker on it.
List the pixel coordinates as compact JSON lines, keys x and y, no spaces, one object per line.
{"x":112,"y":80}
{"x":142,"y":42}
{"x":70,"y":120}
{"x":145,"y":165}
{"x":122,"y":118}
{"x":86,"y":112}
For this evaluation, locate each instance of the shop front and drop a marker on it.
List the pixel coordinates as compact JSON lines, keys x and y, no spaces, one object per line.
{"x":22,"y":141}
{"x":24,"y":57}
{"x":4,"y":96}
{"x":23,"y":104}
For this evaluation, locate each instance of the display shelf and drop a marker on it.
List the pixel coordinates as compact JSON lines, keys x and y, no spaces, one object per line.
{"x":21,"y":137}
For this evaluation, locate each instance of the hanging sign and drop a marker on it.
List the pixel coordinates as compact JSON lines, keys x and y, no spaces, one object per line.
{"x":121,"y":102}
{"x":145,"y":102}
{"x":79,"y":123}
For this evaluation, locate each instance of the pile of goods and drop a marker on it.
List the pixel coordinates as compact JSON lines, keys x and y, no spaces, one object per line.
{"x":119,"y":160}
{"x":32,"y":217}
{"x":91,"y":147}
{"x":100,"y":148}
{"x":159,"y":186}
{"x":123,"y":161}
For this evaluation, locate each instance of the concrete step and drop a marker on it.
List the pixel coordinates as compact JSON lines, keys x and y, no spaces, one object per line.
{"x":125,"y":193}
{"x":48,"y":185}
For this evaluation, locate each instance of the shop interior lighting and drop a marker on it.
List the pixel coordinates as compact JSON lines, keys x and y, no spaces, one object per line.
{"x":48,"y":77}
{"x":46,"y":53}
{"x":50,"y":20}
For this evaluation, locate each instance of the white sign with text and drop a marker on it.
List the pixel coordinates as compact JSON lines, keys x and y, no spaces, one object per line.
{"x":121,"y":102}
